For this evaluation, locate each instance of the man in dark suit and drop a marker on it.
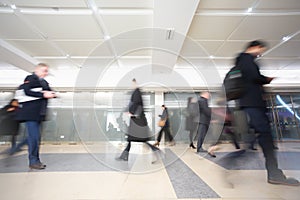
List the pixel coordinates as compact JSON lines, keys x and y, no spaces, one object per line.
{"x":33,"y":111}
{"x":253,"y":103}
{"x":203,"y":118}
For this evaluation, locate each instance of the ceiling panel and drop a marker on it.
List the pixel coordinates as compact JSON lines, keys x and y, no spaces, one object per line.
{"x":60,"y":64}
{"x":213,"y":27}
{"x":120,"y":24}
{"x":67,"y":26}
{"x":288,"y":49}
{"x":125,"y":3}
{"x":225,"y":5}
{"x":78,"y":48}
{"x":231,"y":49}
{"x":14,"y":28}
{"x":210,"y":46}
{"x":36,"y":48}
{"x":263,"y":27}
{"x":194,"y":49}
{"x":278,"y":5}
{"x":49,"y":3}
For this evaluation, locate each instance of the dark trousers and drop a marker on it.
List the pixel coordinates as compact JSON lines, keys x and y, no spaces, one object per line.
{"x":33,"y":139}
{"x":201,"y":132}
{"x":260,"y":122}
{"x":167,"y":131}
{"x":193,"y":132}
{"x":153,"y":148}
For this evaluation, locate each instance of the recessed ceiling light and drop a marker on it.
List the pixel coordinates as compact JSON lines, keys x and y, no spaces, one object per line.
{"x":106,"y":37}
{"x":13,"y":6}
{"x":286,"y":38}
{"x":249,"y":9}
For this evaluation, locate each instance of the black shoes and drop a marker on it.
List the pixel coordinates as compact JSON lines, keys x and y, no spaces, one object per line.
{"x":192,"y":146}
{"x":282,"y":180}
{"x":212,"y":154}
{"x":123,"y":156}
{"x":201,"y":150}
{"x":37,"y":166}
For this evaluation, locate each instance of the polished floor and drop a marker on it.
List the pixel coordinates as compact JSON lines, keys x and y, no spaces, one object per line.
{"x":90,"y":172}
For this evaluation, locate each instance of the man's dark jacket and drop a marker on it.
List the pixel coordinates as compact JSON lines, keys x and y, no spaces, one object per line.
{"x":202,"y":114}
{"x":254,"y":91}
{"x":34,"y":110}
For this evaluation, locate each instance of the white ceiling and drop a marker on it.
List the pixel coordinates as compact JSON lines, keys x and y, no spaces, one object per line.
{"x":204,"y":33}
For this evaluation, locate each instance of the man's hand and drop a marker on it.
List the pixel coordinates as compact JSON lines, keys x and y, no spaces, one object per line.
{"x":49,"y":94}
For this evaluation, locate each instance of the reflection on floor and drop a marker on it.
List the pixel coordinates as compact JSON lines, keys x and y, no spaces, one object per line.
{"x":90,"y":171}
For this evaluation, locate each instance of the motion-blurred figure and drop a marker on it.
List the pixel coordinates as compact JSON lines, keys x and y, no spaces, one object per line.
{"x":8,"y":124}
{"x":33,"y":111}
{"x":190,"y":125}
{"x":165,"y":128}
{"x":253,"y":103}
{"x":138,"y":130}
{"x":203,"y":119}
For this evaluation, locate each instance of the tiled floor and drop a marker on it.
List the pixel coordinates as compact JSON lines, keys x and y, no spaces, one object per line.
{"x":90,"y":171}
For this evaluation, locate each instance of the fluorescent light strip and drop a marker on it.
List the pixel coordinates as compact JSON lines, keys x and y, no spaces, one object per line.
{"x":6,"y":10}
{"x":243,"y":13}
{"x":51,"y":11}
{"x":126,"y":11}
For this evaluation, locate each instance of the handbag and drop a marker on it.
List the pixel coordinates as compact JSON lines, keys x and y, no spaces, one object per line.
{"x":161,"y":123}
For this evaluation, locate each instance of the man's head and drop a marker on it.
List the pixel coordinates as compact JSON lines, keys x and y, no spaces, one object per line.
{"x":205,"y":94}
{"x":256,"y":47}
{"x":134,"y":83}
{"x":41,"y":70}
{"x":163,"y":107}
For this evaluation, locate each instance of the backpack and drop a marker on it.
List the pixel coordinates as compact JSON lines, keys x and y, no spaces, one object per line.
{"x":234,"y":83}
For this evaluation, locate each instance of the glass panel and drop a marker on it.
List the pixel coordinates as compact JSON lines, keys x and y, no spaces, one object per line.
{"x":287,"y":122}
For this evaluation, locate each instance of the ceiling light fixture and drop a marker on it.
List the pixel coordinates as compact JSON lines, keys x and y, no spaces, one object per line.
{"x":249,"y":10}
{"x":106,"y":37}
{"x":13,"y":6}
{"x":170,"y":34}
{"x":286,"y":38}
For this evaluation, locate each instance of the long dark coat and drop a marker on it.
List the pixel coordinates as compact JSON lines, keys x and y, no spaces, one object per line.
{"x":138,"y":130}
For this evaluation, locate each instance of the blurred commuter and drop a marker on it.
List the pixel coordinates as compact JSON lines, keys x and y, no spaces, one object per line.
{"x":8,"y":124}
{"x":165,"y":127}
{"x":203,"y":118}
{"x":254,"y":104}
{"x":138,"y":130}
{"x":221,"y":123}
{"x":33,"y":109}
{"x":190,"y":125}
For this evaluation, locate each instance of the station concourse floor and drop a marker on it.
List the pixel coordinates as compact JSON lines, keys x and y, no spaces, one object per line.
{"x":91,"y":172}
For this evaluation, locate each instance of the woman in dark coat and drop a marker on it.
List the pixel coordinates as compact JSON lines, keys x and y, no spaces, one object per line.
{"x":165,"y":128}
{"x":190,"y":125}
{"x":138,"y":130}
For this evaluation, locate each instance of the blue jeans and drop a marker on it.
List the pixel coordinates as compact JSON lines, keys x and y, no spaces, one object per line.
{"x":33,"y":132}
{"x":260,"y":122}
